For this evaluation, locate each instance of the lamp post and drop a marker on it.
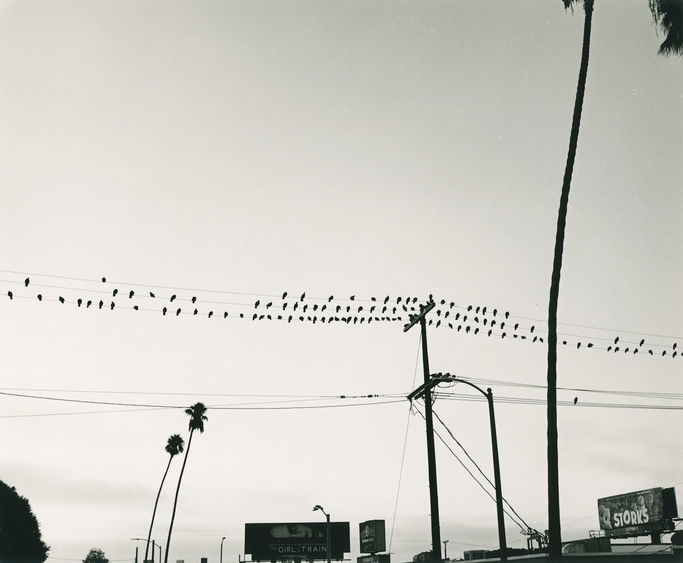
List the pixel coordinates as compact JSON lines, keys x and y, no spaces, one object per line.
{"x":222,"y":540}
{"x":154,"y":546}
{"x":327,"y":531}
{"x":445,"y":377}
{"x":445,"y":549}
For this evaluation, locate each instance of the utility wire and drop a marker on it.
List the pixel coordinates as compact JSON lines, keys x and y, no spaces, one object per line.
{"x":405,"y":443}
{"x":477,"y":466}
{"x":470,"y":472}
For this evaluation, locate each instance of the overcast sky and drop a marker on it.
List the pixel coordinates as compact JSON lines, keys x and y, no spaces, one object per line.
{"x":234,"y":151}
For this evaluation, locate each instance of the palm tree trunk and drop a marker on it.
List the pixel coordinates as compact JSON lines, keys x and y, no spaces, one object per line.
{"x":156,"y":502}
{"x":175,"y":502}
{"x":555,"y":539}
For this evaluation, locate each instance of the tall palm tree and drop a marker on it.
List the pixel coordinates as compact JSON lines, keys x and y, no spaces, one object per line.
{"x":174,"y":446}
{"x":668,"y":15}
{"x":197,"y":418}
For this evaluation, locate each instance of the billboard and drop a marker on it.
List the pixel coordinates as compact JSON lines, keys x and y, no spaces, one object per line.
{"x":372,"y":536}
{"x":297,"y":540}
{"x":640,"y":512}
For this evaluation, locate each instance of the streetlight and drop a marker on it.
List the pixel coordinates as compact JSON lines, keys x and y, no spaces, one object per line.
{"x":327,"y":534}
{"x":445,"y":377}
{"x":154,"y":546}
{"x":445,"y":549}
{"x":222,"y":540}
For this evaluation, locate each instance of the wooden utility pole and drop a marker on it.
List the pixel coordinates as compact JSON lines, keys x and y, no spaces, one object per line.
{"x":431,"y":456}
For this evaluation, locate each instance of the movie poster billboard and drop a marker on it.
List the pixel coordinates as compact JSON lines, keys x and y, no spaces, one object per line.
{"x":372,"y":536}
{"x":639,"y":512}
{"x":296,"y":541}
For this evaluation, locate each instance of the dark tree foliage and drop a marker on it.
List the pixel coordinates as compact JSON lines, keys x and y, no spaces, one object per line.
{"x":20,"y":540}
{"x":96,"y":555}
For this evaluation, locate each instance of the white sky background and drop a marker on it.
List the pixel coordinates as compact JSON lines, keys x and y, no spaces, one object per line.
{"x":336,"y":148}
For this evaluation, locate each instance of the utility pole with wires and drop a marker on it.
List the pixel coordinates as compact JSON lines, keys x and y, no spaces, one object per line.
{"x":431,"y":456}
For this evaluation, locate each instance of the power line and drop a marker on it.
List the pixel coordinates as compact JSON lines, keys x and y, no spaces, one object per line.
{"x":477,"y":466}
{"x":479,"y":316}
{"x":470,"y":472}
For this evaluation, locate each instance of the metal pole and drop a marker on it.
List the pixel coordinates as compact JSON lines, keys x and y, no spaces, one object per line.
{"x":136,"y":554}
{"x":329,"y":543}
{"x":431,"y":456}
{"x":496,"y":475}
{"x":154,"y":546}
{"x":445,"y":549}
{"x":222,"y":540}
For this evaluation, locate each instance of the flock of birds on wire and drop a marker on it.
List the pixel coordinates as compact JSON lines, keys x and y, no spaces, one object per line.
{"x":468,"y":319}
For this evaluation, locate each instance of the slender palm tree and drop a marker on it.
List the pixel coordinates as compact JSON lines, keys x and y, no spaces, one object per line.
{"x":668,"y":15}
{"x":197,"y":418}
{"x":174,"y":446}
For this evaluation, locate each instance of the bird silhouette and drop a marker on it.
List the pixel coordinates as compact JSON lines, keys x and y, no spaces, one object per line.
{"x":269,"y":305}
{"x":130,"y":294}
{"x":476,"y":311}
{"x":9,"y":293}
{"x":195,"y":312}
{"x":641,"y":343}
{"x":114,"y":292}
{"x":330,"y":298}
{"x":258,"y":302}
{"x":373,"y":299}
{"x":467,"y":329}
{"x":483,"y":311}
{"x":61,"y":299}
{"x":469,"y":308}
{"x":495,"y":312}
{"x":295,"y":305}
{"x":438,"y":323}
{"x":284,"y":305}
{"x":284,"y":295}
{"x":503,"y":335}
{"x":101,"y":304}
{"x":104,"y":280}
{"x":532,"y":328}
{"x":241,"y":315}
{"x":675,"y":345}
{"x":172,"y":298}
{"x":289,"y":320}
{"x":279,"y":317}
{"x":225,"y":314}
{"x":210,"y":314}
{"x":589,"y":345}
{"x":79,"y":301}
{"x":194,"y":299}
{"x":616,"y":340}
{"x":40,"y":297}
{"x":177,"y":312}
{"x":305,"y":307}
{"x":163,"y":311}
{"x":576,"y":400}
{"x":386,"y":299}
{"x":353,"y":298}
{"x":112,"y":305}
{"x":489,"y":332}
{"x":609,"y":348}
{"x":88,"y":304}
{"x":26,"y":282}
{"x":152,"y":294}
{"x":578,"y":345}
{"x":516,"y":326}
{"x":254,"y":317}
{"x":303,"y":295}
{"x":650,"y":352}
{"x":135,"y":307}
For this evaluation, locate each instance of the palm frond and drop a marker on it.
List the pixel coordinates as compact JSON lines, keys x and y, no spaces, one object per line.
{"x":668,"y":16}
{"x":175,"y":445}
{"x":197,"y":416}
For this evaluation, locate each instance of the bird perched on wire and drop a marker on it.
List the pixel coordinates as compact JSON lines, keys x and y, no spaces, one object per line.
{"x":10,"y":294}
{"x":576,"y":400}
{"x":26,"y":282}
